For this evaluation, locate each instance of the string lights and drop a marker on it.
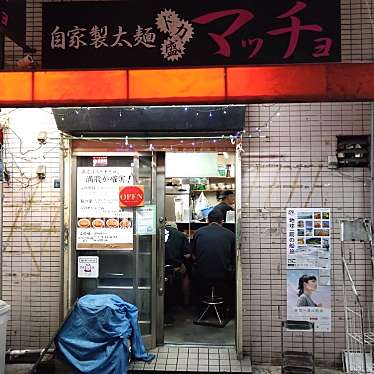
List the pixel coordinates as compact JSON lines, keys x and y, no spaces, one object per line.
{"x":164,"y":143}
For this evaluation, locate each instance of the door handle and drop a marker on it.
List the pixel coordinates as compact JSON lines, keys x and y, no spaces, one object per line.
{"x":161,"y":278}
{"x":161,"y":285}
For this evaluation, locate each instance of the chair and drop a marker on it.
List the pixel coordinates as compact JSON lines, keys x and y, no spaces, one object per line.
{"x":212,"y":301}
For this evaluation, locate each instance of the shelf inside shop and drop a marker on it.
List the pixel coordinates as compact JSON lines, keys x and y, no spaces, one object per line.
{"x":104,"y":251}
{"x":115,"y":282}
{"x":221,"y":177}
{"x":207,"y":190}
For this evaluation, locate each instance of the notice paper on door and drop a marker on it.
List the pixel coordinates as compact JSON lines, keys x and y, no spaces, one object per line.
{"x":146,"y":220}
{"x":88,"y":266}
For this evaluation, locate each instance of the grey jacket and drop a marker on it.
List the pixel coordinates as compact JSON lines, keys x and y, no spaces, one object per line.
{"x":305,"y":300}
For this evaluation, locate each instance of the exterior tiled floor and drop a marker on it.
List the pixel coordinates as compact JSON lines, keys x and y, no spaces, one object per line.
{"x":194,"y":359}
{"x":25,"y":368}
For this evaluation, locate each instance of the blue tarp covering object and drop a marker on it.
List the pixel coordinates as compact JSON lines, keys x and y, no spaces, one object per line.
{"x":94,"y":339}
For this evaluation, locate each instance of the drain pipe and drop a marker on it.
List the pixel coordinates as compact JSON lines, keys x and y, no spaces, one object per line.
{"x":372,"y":166}
{"x":372,"y":192}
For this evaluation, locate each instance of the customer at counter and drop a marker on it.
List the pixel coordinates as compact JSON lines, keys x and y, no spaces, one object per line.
{"x":177,"y":255}
{"x":227,"y":203}
{"x":213,"y":252}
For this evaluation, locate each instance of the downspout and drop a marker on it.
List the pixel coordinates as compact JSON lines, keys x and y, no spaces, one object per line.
{"x":372,"y":168}
{"x":372,"y":192}
{"x":62,"y":230}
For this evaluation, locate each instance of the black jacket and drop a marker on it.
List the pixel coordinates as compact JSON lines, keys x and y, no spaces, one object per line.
{"x":213,"y":248}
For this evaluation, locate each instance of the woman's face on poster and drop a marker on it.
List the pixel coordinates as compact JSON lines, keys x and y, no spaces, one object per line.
{"x":310,"y":286}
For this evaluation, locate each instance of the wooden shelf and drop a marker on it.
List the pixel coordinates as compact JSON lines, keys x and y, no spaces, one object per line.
{"x":229,"y":189}
{"x":220,"y":177}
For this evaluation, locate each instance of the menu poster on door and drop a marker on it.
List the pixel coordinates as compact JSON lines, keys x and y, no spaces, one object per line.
{"x":101,"y":223}
{"x":309,"y":264}
{"x":146,"y":220}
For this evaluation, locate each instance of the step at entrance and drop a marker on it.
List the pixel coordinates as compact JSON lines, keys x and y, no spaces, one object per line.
{"x":193,"y":359}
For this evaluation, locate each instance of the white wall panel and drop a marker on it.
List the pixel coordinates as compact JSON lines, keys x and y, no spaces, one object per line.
{"x":31,"y":229}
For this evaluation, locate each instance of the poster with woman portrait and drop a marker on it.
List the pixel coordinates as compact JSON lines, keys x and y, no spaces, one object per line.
{"x":309,"y":297}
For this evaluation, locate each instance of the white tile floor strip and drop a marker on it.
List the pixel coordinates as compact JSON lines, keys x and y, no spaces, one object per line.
{"x":171,"y":358}
{"x":25,"y":368}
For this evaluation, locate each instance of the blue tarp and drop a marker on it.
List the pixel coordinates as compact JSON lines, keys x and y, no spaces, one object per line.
{"x":94,"y":339}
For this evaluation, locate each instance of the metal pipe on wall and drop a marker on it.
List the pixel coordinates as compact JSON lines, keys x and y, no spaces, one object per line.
{"x":372,"y":166}
{"x":62,"y":229}
{"x":372,"y":194}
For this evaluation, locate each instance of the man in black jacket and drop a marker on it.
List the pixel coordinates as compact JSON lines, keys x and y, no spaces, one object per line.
{"x":177,"y":256}
{"x":213,"y":251}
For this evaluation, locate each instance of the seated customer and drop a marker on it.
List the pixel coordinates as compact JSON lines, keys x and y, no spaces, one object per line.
{"x":177,"y":252}
{"x":213,"y":251}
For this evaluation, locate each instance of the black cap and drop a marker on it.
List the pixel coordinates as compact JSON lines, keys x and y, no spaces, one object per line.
{"x":225,"y":193}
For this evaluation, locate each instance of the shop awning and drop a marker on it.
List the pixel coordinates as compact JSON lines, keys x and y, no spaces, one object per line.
{"x":155,"y":120}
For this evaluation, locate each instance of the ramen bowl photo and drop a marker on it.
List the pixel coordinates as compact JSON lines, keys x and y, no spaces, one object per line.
{"x":125,"y":223}
{"x":98,"y":223}
{"x":84,"y":223}
{"x":112,"y":223}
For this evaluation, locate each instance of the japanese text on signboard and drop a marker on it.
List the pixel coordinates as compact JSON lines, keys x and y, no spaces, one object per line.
{"x":240,"y":33}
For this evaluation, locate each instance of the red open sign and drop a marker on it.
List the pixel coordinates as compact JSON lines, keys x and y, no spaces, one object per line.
{"x":130,"y":196}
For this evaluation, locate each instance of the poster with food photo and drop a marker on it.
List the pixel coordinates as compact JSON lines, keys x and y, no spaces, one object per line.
{"x":101,"y":223}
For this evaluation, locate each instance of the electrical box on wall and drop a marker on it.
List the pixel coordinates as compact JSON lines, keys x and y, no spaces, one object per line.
{"x":353,"y":150}
{"x":355,"y":229}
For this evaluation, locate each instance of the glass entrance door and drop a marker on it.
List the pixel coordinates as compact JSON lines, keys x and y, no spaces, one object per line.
{"x":126,"y":243}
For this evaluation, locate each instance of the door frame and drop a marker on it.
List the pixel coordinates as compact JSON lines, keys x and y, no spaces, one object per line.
{"x":158,"y":248}
{"x":159,"y":279}
{"x":238,"y":262}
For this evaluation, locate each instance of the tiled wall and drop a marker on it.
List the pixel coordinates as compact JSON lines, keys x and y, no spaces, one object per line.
{"x":31,"y":228}
{"x":288,"y":168}
{"x":356,"y":28}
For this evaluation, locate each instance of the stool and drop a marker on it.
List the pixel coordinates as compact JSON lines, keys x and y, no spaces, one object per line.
{"x":212,"y":301}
